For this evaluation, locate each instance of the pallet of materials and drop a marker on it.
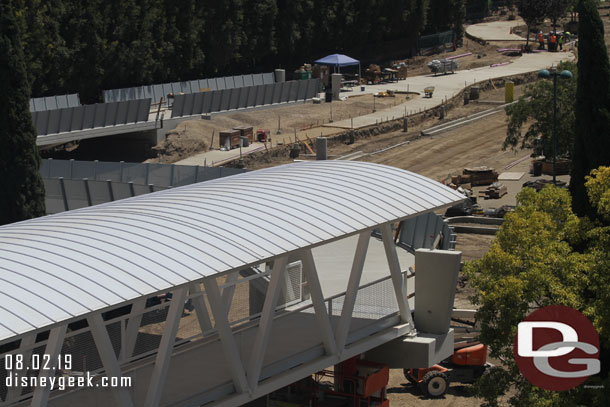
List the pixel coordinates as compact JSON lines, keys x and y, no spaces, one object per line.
{"x":402,"y":73}
{"x":495,"y":191}
{"x":479,"y":176}
{"x":443,"y":66}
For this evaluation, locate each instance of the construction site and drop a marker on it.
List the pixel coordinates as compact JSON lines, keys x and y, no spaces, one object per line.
{"x":281,"y":239}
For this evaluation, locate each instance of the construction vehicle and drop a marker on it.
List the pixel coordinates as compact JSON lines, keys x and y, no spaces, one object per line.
{"x":352,"y":383}
{"x":467,"y":364}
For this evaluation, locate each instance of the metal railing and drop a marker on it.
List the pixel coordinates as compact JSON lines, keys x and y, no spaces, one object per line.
{"x":80,"y":345}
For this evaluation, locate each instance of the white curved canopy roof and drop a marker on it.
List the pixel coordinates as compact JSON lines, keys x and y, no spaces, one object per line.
{"x":59,"y":267}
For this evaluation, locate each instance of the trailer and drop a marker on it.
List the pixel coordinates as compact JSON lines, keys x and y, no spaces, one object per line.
{"x":443,"y":66}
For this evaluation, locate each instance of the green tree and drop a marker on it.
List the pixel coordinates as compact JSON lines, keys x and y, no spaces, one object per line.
{"x":83,"y":32}
{"x":294,"y":29}
{"x":22,"y":189}
{"x":458,"y":13}
{"x":444,"y":15}
{"x":544,"y":255}
{"x":532,"y":12}
{"x":259,"y":33}
{"x":178,"y":33}
{"x":592,"y":136}
{"x":45,"y":50}
{"x":223,"y":36}
{"x":556,"y":9}
{"x":534,"y":110}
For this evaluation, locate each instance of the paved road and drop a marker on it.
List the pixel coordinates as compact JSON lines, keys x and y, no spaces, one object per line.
{"x":447,"y":86}
{"x":218,"y":157}
{"x":496,"y":31}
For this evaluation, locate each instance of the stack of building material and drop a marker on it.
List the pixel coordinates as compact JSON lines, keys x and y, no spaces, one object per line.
{"x":402,"y":72}
{"x":495,"y":191}
{"x":475,"y":176}
{"x":246,"y":131}
{"x":479,"y":176}
{"x":443,"y":66}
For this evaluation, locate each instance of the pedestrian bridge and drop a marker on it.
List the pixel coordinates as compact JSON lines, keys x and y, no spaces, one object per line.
{"x":220,"y":292}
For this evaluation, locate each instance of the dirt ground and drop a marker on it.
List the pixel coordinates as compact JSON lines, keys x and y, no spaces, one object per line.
{"x":437,"y":156}
{"x":193,"y":136}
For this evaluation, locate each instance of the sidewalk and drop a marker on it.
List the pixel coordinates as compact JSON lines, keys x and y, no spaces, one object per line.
{"x":447,"y":86}
{"x":496,"y":31}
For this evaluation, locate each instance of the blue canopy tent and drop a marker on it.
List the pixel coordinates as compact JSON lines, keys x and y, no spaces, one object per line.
{"x":339,"y":60}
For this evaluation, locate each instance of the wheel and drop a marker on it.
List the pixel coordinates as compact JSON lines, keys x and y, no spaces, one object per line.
{"x":434,"y":384}
{"x":410,"y":378}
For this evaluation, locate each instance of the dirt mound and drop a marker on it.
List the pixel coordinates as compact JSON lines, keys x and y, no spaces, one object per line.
{"x":182,"y":142}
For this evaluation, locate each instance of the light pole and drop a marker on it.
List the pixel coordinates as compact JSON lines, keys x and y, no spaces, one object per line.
{"x":544,"y":73}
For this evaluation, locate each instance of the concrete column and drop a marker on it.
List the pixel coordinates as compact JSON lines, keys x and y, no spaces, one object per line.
{"x":321,"y":152}
{"x":280,"y":75}
{"x":435,"y":280}
{"x":335,"y":80}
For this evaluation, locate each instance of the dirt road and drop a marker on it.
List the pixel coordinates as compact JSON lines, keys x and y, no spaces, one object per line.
{"x":437,"y":157}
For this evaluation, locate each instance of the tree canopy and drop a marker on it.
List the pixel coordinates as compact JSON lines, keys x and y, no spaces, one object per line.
{"x":557,"y":9}
{"x":532,"y":12}
{"x":86,"y":47}
{"x":592,"y":115}
{"x":22,"y":189}
{"x":543,"y":255}
{"x":534,"y":110}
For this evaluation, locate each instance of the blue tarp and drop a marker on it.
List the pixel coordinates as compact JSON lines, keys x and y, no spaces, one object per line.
{"x":338,"y":60}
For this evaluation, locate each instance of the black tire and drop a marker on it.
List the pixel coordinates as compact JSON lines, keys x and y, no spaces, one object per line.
{"x":409,"y":377}
{"x":435,"y":384}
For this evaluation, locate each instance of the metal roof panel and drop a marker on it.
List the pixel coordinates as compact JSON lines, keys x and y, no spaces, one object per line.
{"x":70,"y":264}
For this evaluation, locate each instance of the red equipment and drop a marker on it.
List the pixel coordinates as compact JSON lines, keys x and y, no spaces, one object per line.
{"x":263,"y":135}
{"x":464,"y":366}
{"x":360,"y":381}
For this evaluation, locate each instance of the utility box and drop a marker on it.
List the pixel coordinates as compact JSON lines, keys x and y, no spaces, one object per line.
{"x":229,"y":138}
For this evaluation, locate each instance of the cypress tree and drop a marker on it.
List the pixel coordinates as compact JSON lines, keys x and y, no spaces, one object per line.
{"x":21,"y":188}
{"x":592,"y":136}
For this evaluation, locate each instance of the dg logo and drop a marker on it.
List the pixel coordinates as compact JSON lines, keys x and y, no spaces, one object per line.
{"x":556,"y":348}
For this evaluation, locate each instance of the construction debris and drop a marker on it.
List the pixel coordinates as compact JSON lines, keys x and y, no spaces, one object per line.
{"x":479,"y":176}
{"x":476,"y":176}
{"x":541,"y":183}
{"x":495,"y":191}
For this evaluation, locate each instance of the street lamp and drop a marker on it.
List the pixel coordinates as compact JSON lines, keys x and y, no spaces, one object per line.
{"x":544,"y":73}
